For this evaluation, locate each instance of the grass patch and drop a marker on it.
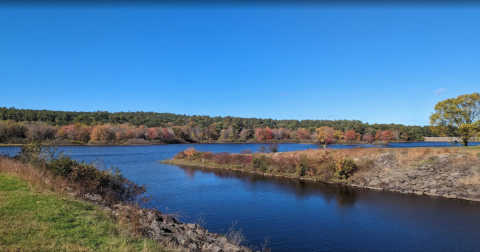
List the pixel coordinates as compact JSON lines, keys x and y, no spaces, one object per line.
{"x":34,"y":221}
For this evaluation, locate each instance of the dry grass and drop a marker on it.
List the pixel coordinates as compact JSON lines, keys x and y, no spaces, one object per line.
{"x":321,"y":163}
{"x":38,"y":180}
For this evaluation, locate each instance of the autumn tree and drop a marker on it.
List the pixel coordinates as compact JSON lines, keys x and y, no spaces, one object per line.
{"x":350,"y":135}
{"x":387,"y":135}
{"x":303,"y":133}
{"x":338,"y":135}
{"x":462,"y":112}
{"x":368,"y":137}
{"x":323,"y":133}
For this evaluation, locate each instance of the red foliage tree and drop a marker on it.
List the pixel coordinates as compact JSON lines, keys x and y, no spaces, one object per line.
{"x":350,"y":135}
{"x":264,"y":134}
{"x":152,"y":133}
{"x":378,"y":135}
{"x":165,"y":134}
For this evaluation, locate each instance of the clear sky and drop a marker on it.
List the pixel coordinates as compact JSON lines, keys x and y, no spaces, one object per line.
{"x":375,"y":64}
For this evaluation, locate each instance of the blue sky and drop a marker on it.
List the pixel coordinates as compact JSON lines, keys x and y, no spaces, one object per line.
{"x":375,"y":64}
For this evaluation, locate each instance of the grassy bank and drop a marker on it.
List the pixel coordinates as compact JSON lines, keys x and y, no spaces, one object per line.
{"x":38,"y":220}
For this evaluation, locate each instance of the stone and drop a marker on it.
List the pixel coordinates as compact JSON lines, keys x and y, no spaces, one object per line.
{"x":374,"y":182}
{"x":455,"y":174}
{"x":221,"y":241}
{"x":190,"y":233}
{"x":93,"y":197}
{"x":433,"y":191}
{"x":231,"y":248}
{"x":200,"y":231}
{"x":151,"y":216}
{"x":192,"y":225}
{"x":193,"y":247}
{"x":216,"y":249}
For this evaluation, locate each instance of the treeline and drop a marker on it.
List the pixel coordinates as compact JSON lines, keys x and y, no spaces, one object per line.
{"x":17,"y":125}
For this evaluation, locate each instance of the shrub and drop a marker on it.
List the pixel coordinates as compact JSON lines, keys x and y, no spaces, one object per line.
{"x":180,"y":155}
{"x":247,"y":151}
{"x":87,"y":178}
{"x":261,"y":163}
{"x":221,"y":158}
{"x":344,"y":168}
{"x":262,"y":149}
{"x":302,"y":165}
{"x":273,"y":147}
{"x":207,"y":155}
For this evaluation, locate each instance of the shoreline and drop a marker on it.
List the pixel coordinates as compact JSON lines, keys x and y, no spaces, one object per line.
{"x":147,"y":144}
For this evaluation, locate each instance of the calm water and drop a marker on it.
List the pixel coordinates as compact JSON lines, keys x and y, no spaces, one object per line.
{"x":296,"y":216}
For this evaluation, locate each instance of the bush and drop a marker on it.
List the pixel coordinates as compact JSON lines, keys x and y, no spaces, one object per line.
{"x":180,"y":155}
{"x":302,"y":165}
{"x":221,"y":158}
{"x":273,"y":147}
{"x":262,"y":149}
{"x":207,"y":155}
{"x":109,"y":183}
{"x":247,"y":151}
{"x":261,"y":163}
{"x":344,"y":168}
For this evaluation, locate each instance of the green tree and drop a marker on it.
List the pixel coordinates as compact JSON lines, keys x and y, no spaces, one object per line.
{"x":462,"y":113}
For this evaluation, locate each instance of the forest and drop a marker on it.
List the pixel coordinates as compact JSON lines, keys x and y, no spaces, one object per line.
{"x":63,"y":127}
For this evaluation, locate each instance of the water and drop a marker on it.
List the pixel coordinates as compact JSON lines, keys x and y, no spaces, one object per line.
{"x":295,"y":215}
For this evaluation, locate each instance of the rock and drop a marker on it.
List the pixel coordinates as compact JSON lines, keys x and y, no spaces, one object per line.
{"x":433,"y":191}
{"x":221,"y":241}
{"x":193,"y":247}
{"x":374,"y":182}
{"x":386,"y":180}
{"x":190,"y":233}
{"x":209,"y":239}
{"x":216,"y":249}
{"x":411,"y":176}
{"x":200,"y":231}
{"x":192,"y":225}
{"x":455,"y":174}
{"x":93,"y":197}
{"x":231,"y":248}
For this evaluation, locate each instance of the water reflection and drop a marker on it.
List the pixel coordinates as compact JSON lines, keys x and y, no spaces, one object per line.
{"x":343,"y":196}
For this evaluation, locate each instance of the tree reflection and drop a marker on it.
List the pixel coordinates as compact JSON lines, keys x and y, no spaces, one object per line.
{"x":342,"y":195}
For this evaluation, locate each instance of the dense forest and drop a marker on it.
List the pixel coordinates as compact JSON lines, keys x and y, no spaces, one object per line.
{"x":21,"y":125}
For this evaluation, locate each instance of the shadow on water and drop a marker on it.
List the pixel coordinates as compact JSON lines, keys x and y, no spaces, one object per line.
{"x":342,"y":195}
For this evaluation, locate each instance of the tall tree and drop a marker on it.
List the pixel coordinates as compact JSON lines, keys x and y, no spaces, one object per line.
{"x":462,"y":112}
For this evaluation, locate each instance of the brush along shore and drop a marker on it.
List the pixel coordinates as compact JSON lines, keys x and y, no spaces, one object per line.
{"x":452,"y":172}
{"x":58,"y":204}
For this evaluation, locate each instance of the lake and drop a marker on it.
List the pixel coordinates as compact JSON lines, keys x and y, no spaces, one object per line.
{"x":295,"y":215}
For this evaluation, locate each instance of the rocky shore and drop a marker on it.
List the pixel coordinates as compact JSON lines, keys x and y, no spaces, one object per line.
{"x":449,"y":175}
{"x":166,"y":229}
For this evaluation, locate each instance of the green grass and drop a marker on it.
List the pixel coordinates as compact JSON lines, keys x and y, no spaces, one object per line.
{"x":34,"y":221}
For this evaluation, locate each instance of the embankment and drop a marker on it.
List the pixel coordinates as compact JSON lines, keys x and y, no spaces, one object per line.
{"x":452,"y":172}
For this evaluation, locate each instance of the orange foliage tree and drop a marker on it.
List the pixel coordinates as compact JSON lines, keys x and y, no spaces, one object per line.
{"x":387,"y":135}
{"x":303,"y":133}
{"x":350,"y":135}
